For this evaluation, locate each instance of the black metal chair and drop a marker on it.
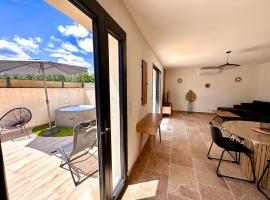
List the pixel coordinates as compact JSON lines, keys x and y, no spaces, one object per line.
{"x":16,"y":118}
{"x":235,"y":160}
{"x":261,"y":178}
{"x":230,"y":146}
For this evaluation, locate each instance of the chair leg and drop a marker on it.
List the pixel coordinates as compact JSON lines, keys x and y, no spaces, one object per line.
{"x":221,"y":175}
{"x":159,"y":134}
{"x":1,"y":130}
{"x":220,"y":160}
{"x":260,"y":180}
{"x":208,"y":154}
{"x":69,"y":166}
{"x":212,"y":158}
{"x":26,"y":132}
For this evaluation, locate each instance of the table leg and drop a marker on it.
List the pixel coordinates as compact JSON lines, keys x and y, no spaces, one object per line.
{"x":141,"y":140}
{"x":153,"y":140}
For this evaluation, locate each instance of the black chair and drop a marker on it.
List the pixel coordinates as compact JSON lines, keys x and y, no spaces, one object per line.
{"x":261,"y":178}
{"x":16,"y":118}
{"x":229,"y":146}
{"x":235,"y":160}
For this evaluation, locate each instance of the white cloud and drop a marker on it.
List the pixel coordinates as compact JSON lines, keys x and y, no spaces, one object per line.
{"x":58,"y":50}
{"x":70,"y":59}
{"x":51,"y":45}
{"x":86,"y":44}
{"x":30,"y":44}
{"x":11,"y":50}
{"x":69,"y":47}
{"x":76,"y":30}
{"x":38,"y":39}
{"x":55,"y":39}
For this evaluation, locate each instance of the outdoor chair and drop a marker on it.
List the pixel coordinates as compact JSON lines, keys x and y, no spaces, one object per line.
{"x":261,"y":178}
{"x":16,"y":118}
{"x":230,"y":146}
{"x":84,"y":141}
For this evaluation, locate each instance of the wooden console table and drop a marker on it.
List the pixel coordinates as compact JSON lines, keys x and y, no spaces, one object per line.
{"x":150,"y":124}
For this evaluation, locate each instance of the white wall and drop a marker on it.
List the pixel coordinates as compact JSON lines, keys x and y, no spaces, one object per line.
{"x":263,"y":89}
{"x":224,"y":91}
{"x":137,"y":49}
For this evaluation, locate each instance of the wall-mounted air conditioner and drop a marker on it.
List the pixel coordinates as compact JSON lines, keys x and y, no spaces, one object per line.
{"x":209,"y":71}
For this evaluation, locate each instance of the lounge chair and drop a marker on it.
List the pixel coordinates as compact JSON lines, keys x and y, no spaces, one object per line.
{"x":16,"y":118}
{"x":84,"y":142}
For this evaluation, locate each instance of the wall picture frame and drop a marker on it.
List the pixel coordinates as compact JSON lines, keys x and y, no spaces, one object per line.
{"x":144,"y":82}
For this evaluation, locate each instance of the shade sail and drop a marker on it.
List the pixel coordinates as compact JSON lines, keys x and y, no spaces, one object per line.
{"x":35,"y":67}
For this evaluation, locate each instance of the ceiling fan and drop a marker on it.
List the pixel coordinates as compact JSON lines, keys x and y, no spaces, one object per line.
{"x":225,"y":66}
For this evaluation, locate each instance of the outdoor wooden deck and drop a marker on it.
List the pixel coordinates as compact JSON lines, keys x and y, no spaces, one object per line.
{"x":33,"y":172}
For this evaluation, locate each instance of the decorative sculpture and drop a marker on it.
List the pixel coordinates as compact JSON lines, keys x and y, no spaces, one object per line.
{"x":190,"y":97}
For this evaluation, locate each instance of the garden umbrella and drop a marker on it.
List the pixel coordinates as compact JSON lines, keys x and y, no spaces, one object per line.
{"x":42,"y":67}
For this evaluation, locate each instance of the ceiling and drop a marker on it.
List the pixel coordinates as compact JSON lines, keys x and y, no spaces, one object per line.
{"x":197,"y":33}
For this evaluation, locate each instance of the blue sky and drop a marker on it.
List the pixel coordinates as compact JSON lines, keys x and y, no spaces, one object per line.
{"x":32,"y":29}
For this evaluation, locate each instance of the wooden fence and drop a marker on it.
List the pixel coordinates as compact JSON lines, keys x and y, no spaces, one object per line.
{"x":14,"y":83}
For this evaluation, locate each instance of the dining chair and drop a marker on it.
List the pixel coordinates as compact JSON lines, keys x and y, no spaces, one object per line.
{"x":261,"y":178}
{"x":229,"y":145}
{"x":235,"y":160}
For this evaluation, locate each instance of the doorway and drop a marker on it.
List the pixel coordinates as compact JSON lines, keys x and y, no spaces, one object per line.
{"x":156,"y":90}
{"x":109,"y":59}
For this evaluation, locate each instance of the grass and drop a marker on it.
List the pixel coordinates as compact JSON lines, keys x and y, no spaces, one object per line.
{"x":38,"y":130}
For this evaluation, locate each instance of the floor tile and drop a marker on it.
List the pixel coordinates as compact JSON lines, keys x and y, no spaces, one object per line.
{"x":164,"y":146}
{"x":180,"y":143}
{"x":161,"y":179}
{"x":206,"y":174}
{"x":199,"y":151}
{"x":244,"y":190}
{"x":181,"y":156}
{"x":182,"y":182}
{"x":162,"y":163}
{"x":212,"y":193}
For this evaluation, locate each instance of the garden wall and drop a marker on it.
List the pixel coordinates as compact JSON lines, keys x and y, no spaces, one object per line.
{"x":34,"y":99}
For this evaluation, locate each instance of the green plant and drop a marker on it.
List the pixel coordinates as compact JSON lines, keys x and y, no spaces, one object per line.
{"x":77,"y":78}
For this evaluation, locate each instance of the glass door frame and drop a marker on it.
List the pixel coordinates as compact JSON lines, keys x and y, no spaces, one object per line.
{"x":103,"y":24}
{"x":157,"y":86}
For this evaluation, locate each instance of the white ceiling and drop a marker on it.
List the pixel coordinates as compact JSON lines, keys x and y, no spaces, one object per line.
{"x":197,"y":33}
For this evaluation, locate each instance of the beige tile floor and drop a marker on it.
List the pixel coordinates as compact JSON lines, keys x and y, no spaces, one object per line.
{"x":183,"y":171}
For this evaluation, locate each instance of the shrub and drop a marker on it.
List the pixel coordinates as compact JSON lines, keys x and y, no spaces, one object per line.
{"x":76,"y":78}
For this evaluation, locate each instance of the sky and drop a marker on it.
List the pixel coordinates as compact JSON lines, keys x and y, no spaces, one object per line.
{"x":32,"y":29}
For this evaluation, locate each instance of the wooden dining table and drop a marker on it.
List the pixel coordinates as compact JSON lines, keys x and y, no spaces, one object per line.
{"x":260,"y":145}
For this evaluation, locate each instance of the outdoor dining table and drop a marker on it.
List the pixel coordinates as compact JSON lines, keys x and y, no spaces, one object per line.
{"x":260,"y":145}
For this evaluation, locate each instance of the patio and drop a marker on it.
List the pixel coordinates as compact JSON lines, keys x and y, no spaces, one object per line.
{"x":33,"y":172}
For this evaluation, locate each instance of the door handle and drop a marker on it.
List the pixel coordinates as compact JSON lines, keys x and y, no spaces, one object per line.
{"x":106,"y":131}
{"x":106,"y":134}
